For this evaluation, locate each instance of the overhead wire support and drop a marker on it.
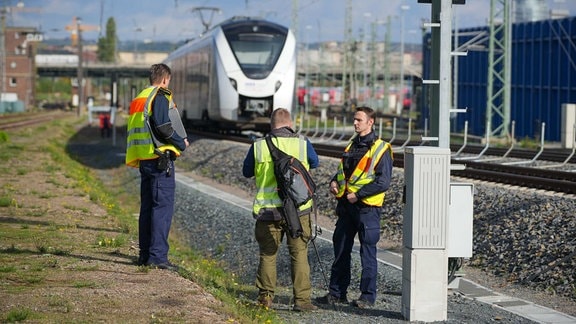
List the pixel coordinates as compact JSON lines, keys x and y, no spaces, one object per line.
{"x":499,"y":68}
{"x":207,"y":23}
{"x":346,"y":49}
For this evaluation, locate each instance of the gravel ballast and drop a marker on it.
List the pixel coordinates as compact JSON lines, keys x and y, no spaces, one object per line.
{"x":524,"y":237}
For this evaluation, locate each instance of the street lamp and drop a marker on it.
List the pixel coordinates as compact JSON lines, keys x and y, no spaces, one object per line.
{"x":367,"y":18}
{"x":306,"y":79}
{"x":137,"y":29}
{"x":400,"y":104}
{"x":3,"y":12}
{"x":80,"y":71}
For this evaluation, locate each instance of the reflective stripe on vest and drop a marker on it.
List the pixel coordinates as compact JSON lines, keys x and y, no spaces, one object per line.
{"x":363,"y":174}
{"x":140,"y":145}
{"x":267,"y":191}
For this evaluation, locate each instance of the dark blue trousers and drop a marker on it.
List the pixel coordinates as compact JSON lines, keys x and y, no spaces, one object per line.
{"x":365,"y":221}
{"x":157,"y":189}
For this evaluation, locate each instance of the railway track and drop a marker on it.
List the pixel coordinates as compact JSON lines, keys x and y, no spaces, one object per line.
{"x":12,"y":121}
{"x":522,"y":176}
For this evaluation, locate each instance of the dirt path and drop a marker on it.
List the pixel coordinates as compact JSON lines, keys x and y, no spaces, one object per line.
{"x":64,"y":257}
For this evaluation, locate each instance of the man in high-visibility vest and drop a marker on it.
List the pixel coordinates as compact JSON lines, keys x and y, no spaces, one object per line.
{"x":152,"y":146}
{"x":270,"y":227}
{"x":363,"y":176}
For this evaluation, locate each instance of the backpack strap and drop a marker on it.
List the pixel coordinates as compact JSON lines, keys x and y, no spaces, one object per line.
{"x":276,"y":153}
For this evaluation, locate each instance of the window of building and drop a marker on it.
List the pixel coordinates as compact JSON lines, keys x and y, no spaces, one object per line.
{"x":13,"y":82}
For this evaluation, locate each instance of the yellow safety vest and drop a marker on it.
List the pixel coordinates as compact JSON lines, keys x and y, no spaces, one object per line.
{"x":363,"y":174}
{"x":267,"y":191}
{"x":140,"y":145}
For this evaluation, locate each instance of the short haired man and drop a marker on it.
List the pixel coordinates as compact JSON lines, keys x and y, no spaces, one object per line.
{"x":152,"y":147}
{"x":363,"y":176}
{"x":270,"y":227}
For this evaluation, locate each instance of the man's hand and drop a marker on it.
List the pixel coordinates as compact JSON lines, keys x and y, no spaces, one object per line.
{"x":352,"y":198}
{"x":186,"y":142}
{"x":333,"y":187}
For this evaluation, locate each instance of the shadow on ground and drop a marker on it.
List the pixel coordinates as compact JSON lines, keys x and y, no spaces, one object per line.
{"x":93,"y":150}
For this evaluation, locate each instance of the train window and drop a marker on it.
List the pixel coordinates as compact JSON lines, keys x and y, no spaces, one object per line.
{"x":256,"y":49}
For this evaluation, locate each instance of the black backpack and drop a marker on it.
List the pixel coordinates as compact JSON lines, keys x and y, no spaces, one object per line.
{"x":295,"y":186}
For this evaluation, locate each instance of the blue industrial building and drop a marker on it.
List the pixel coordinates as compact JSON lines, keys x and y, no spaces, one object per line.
{"x":543,"y":77}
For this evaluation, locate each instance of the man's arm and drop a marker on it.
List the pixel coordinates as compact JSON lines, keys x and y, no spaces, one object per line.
{"x":249,"y":163}
{"x":163,"y":125}
{"x":313,"y":160}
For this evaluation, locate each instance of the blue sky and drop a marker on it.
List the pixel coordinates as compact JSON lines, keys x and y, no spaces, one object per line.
{"x":174,"y":20}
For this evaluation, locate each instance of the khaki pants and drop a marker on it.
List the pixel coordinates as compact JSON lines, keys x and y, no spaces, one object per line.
{"x":269,"y":235}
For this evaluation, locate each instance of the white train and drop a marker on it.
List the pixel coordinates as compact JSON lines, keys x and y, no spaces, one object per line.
{"x":235,"y":74}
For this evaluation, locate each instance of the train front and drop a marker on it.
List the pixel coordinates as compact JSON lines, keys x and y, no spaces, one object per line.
{"x":258,"y":69}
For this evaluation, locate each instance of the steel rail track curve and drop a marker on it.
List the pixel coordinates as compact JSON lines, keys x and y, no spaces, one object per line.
{"x":544,"y":179}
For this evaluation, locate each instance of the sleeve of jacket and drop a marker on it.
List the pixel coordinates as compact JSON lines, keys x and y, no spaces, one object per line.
{"x":163,"y":125}
{"x":383,"y":177}
{"x":313,"y":160}
{"x":249,"y":163}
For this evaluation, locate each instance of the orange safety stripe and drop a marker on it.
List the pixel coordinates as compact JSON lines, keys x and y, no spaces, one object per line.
{"x":137,"y":105}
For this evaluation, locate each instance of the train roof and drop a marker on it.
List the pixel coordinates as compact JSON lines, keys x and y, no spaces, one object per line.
{"x":241,"y":20}
{"x":232,"y":22}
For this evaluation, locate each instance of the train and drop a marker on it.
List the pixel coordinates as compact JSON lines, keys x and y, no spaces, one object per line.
{"x":235,"y":74}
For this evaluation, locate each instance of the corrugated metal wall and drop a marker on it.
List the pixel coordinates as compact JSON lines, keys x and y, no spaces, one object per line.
{"x":543,"y":78}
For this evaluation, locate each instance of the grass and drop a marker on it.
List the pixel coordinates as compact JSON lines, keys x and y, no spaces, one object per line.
{"x":19,"y":315}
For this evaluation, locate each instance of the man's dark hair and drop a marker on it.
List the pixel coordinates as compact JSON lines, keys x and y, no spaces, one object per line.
{"x":159,"y":72}
{"x":368,"y":111}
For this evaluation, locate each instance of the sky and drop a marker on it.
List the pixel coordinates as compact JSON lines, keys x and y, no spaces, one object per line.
{"x":177,"y":20}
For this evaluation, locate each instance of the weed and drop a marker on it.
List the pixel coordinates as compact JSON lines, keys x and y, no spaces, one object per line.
{"x":61,"y":252}
{"x":50,"y":168}
{"x":46,"y":195}
{"x":18,"y":315}
{"x":7,"y":201}
{"x":3,"y":137}
{"x":34,"y":279}
{"x":111,"y":241}
{"x":143,"y":269}
{"x":84,"y":284}
{"x":6,"y":269}
{"x":36,"y":213}
{"x":82,"y":209}
{"x":59,"y":302}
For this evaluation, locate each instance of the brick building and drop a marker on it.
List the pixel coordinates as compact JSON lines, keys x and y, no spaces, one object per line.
{"x":18,"y":70}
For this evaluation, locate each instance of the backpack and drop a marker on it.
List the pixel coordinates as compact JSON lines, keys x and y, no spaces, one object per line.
{"x":295,"y":186}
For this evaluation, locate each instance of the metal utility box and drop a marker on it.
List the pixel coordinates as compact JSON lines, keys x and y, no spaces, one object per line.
{"x":460,"y":220}
{"x":427,"y":177}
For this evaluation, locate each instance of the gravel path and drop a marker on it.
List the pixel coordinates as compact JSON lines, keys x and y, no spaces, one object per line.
{"x":526,"y":238}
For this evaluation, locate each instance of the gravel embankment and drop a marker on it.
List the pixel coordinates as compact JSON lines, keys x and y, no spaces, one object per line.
{"x":524,"y":237}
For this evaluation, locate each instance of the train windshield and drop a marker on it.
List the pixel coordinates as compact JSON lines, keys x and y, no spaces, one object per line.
{"x":256,"y":46}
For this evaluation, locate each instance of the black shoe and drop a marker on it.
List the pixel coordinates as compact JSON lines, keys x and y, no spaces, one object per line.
{"x":142,"y":261}
{"x":164,"y":265}
{"x":361,"y":303}
{"x":330,"y":300}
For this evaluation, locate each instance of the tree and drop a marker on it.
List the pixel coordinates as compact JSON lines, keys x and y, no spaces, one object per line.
{"x":107,"y":44}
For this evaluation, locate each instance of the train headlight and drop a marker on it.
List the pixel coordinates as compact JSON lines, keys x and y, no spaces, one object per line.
{"x":233,"y":83}
{"x":278,"y":85}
